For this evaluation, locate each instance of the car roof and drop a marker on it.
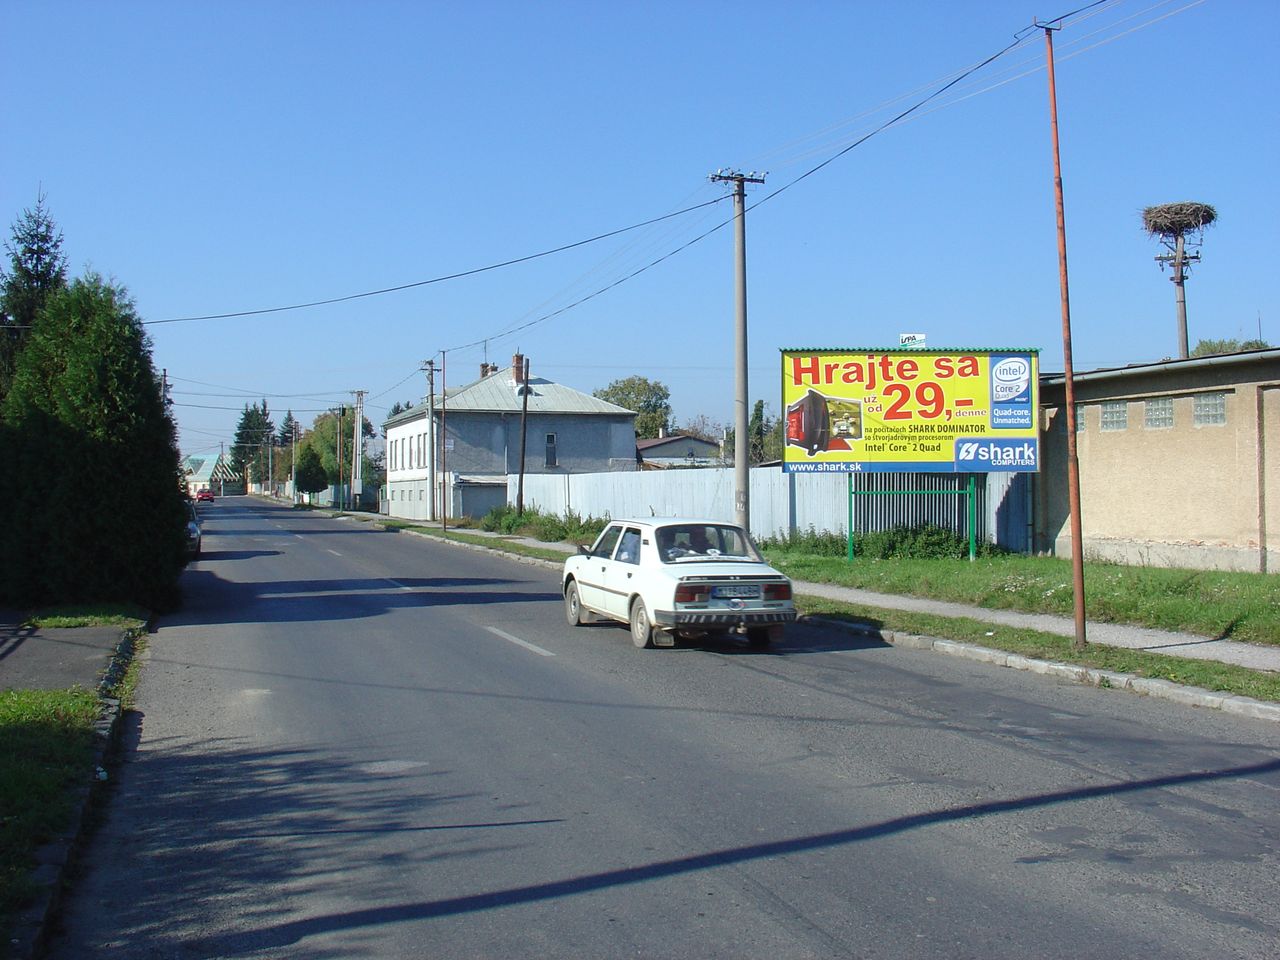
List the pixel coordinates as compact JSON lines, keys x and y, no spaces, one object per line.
{"x":655,"y":522}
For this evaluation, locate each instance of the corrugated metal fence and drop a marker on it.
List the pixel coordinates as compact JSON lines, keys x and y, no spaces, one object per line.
{"x":788,"y":502}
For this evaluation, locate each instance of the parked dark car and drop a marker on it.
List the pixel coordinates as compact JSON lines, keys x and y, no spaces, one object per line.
{"x":193,"y":532}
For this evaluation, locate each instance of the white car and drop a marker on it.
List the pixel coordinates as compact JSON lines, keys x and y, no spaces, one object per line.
{"x":677,"y":577}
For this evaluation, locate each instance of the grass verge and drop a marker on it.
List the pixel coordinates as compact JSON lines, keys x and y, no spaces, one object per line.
{"x":46,"y":748}
{"x":123,"y":615}
{"x":1209,"y":674}
{"x":1210,"y":603}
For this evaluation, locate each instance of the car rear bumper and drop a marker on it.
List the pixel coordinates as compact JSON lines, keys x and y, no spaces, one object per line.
{"x":722,"y":618}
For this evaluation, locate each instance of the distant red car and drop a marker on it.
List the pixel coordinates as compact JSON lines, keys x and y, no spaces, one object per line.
{"x":204,"y":496}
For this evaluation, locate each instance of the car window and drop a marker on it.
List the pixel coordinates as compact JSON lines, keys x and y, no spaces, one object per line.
{"x":629,"y":547}
{"x":703,"y":541}
{"x":605,"y":543}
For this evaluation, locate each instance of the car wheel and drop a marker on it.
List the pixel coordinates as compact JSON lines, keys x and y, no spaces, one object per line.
{"x":641,"y":628}
{"x":573,"y":611}
{"x":758,"y":638}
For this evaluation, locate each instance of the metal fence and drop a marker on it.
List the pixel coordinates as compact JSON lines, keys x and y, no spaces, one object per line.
{"x":787,"y":503}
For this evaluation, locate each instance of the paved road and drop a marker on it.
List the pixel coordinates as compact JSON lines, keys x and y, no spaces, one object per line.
{"x":354,"y":743}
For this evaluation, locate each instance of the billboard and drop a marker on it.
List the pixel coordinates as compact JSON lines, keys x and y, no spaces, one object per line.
{"x":896,"y":410}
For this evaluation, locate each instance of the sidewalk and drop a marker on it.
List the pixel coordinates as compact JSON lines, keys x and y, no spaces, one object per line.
{"x":53,"y":659}
{"x":1149,"y":639}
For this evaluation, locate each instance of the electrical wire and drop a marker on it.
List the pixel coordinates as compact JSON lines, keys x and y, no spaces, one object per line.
{"x":423,"y":283}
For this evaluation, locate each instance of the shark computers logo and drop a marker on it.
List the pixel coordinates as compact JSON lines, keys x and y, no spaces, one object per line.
{"x":997,"y":455}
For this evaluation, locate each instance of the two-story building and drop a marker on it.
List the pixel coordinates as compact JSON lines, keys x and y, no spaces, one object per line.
{"x":451,"y":455}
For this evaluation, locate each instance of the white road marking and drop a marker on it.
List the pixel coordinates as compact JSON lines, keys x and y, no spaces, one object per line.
{"x":391,"y":766}
{"x":520,"y":643}
{"x":398,"y":585}
{"x":334,"y":552}
{"x":254,"y":692}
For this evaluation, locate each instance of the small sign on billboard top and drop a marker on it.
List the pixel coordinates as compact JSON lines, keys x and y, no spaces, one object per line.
{"x":913,"y":340}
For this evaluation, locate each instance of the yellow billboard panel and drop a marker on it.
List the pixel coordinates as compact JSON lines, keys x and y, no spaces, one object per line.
{"x":968,"y":411}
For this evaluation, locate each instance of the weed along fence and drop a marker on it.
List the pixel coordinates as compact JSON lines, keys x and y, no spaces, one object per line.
{"x":999,"y":511}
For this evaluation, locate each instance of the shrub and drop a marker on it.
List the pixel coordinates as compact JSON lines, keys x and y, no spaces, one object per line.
{"x":926,"y":541}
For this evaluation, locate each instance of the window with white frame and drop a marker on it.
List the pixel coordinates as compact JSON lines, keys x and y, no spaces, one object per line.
{"x":1210,"y":409}
{"x":1115,"y":414}
{"x":1159,"y":413}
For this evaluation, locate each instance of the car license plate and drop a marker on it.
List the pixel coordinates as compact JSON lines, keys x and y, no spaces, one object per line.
{"x":746,"y":592}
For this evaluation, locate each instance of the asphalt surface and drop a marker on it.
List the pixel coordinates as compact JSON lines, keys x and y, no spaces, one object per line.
{"x":61,"y":658}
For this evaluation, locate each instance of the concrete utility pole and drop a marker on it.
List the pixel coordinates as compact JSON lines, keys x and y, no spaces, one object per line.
{"x":741,"y":443}
{"x":357,"y":452}
{"x":430,"y":367}
{"x":522,"y":378}
{"x":1173,"y":223}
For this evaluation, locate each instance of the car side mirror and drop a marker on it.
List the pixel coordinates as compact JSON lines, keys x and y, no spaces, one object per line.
{"x":584,"y":550}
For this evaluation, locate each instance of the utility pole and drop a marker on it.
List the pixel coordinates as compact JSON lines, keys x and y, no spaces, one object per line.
{"x":357,"y":451}
{"x":1073,"y":464}
{"x":293,"y":464}
{"x":524,"y":424}
{"x":337,"y":432}
{"x":430,"y":367}
{"x":741,"y":444}
{"x":446,"y":493}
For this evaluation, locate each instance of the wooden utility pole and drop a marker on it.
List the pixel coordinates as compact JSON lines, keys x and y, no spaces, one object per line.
{"x":741,"y":443}
{"x":1073,"y":464}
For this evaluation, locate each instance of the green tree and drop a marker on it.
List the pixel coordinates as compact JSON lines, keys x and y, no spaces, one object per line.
{"x":311,"y":474}
{"x":324,"y":434}
{"x":91,"y":497}
{"x":36,"y":269}
{"x":1209,"y":348}
{"x":650,"y":399}
{"x":248,"y":451}
{"x":764,"y":437}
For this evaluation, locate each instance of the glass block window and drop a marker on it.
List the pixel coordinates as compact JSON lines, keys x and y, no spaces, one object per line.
{"x":1159,"y":413}
{"x":1115,"y":415}
{"x":1210,"y":409}
{"x":1081,"y":416}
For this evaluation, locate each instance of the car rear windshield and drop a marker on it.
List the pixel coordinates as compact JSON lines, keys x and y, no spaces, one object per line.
{"x":698,"y":541}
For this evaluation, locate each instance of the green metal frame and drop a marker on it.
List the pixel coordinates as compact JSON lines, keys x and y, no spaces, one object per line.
{"x":971,"y":492}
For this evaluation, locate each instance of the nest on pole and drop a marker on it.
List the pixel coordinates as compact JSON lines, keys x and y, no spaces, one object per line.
{"x":1177,"y":219}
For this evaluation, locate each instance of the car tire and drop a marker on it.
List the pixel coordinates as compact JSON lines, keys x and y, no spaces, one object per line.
{"x":573,"y":611}
{"x":641,"y":628}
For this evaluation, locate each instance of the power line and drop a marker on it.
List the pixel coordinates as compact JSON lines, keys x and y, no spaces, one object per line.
{"x":423,"y":283}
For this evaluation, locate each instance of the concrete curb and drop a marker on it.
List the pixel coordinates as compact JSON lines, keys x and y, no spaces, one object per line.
{"x":1143,"y":686}
{"x":54,"y":860}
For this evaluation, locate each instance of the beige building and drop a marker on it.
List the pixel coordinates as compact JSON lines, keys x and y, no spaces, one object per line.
{"x":1179,"y":463}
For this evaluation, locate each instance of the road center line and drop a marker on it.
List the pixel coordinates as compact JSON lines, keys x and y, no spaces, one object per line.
{"x":520,"y":643}
{"x":334,"y":552}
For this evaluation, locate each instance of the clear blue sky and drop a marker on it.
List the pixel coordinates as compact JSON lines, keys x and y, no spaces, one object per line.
{"x":237,"y":156}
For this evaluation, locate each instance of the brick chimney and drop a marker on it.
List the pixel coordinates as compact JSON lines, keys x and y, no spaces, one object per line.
{"x":517,"y":368}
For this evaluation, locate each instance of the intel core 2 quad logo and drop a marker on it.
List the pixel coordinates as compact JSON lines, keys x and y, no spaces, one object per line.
{"x":1010,"y":379}
{"x":1011,"y":390}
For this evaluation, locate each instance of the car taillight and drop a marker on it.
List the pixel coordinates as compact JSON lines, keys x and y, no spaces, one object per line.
{"x":777,"y":591}
{"x":691,"y":593}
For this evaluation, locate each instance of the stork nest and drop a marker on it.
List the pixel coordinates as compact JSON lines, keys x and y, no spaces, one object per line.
{"x":1176,"y":219}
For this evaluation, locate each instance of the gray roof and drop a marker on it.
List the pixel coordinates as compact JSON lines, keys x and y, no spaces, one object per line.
{"x":497,"y":393}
